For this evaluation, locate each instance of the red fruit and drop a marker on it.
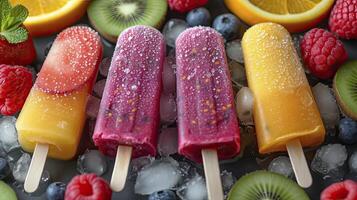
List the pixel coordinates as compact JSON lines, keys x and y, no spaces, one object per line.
{"x":343,"y":19}
{"x":186,"y":5}
{"x":72,"y":61}
{"x":322,"y":52}
{"x":346,"y":190}
{"x":88,"y":187}
{"x":22,"y":53}
{"x":15,"y":85}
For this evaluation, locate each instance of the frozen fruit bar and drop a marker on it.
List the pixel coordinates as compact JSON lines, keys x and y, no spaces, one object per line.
{"x":284,"y":107}
{"x":54,"y":112}
{"x":206,"y":114}
{"x":129,"y":110}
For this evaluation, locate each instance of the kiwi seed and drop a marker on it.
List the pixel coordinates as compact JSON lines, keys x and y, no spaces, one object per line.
{"x":263,"y":185}
{"x":111,"y":17}
{"x":345,"y":88}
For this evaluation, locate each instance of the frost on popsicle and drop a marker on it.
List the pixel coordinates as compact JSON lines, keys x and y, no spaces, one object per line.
{"x":71,"y":61}
{"x":130,"y":103}
{"x":205,"y":98}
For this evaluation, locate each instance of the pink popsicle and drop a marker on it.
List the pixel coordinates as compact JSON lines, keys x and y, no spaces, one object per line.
{"x":206,"y":114}
{"x":129,"y":110}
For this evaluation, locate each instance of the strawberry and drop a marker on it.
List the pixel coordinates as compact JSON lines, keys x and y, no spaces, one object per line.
{"x":15,"y":85}
{"x":186,"y":5}
{"x":343,"y":19}
{"x":16,"y":46}
{"x":72,"y":61}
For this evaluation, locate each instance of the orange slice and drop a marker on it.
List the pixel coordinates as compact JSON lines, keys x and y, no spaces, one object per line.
{"x":295,"y":15}
{"x":50,"y":16}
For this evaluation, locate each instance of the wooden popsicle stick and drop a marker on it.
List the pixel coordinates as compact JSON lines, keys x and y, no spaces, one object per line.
{"x":298,"y":161}
{"x":212,"y":173}
{"x":121,"y":166}
{"x":35,"y":170}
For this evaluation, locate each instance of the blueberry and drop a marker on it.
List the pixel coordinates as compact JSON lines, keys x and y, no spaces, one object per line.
{"x":163,"y":195}
{"x":348,"y":131}
{"x":228,"y":25}
{"x":4,"y":169}
{"x":199,"y":17}
{"x":55,"y":191}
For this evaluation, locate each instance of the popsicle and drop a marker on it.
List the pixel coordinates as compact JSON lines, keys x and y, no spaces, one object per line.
{"x":53,"y":115}
{"x":128,"y":117}
{"x":285,"y":113}
{"x":207,"y":121}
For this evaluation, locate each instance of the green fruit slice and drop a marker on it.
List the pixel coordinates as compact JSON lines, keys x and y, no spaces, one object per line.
{"x":345,"y":87}
{"x":6,"y":192}
{"x":111,"y":17}
{"x":263,"y":185}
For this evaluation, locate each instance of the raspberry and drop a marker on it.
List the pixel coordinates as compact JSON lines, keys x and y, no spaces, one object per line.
{"x":15,"y":85}
{"x":89,"y":187}
{"x":346,"y":190}
{"x":322,"y":52}
{"x":343,"y":19}
{"x":186,"y":5}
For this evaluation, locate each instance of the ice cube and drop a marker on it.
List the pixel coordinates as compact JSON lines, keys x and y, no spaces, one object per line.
{"x":169,"y":76}
{"x":99,"y":88}
{"x":168,"y":110}
{"x":14,"y":155}
{"x":234,"y":50}
{"x":237,"y":70}
{"x":327,"y":105}
{"x":172,"y":30}
{"x":329,"y":160}
{"x":352,"y":163}
{"x":160,"y":175}
{"x":138,"y":163}
{"x":104,"y":66}
{"x":21,"y":167}
{"x":244,"y":106}
{"x":92,"y":161}
{"x":281,"y":165}
{"x":8,"y":133}
{"x":167,"y":144}
{"x":194,"y":189}
{"x":92,"y":107}
{"x":228,"y":180}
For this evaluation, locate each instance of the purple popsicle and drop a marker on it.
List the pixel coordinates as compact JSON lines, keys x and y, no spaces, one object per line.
{"x":129,"y":110}
{"x":206,"y":114}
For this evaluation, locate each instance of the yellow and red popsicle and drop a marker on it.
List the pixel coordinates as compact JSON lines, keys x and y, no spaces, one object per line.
{"x":54,"y":112}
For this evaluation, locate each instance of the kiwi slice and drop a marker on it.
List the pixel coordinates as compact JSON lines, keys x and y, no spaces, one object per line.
{"x":111,"y":17}
{"x":263,"y":185}
{"x":6,"y":192}
{"x":345,"y":87}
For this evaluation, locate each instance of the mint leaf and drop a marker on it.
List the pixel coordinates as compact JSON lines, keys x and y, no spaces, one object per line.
{"x":16,"y":35}
{"x":18,"y":14}
{"x":5,"y":9}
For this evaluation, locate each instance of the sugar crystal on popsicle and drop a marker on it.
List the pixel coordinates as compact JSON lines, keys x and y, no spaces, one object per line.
{"x":53,"y":116}
{"x":286,"y":116}
{"x":129,"y":110}
{"x":207,"y":121}
{"x":206,"y":114}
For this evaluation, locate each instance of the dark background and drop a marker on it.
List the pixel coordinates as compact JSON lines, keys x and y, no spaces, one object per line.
{"x":65,"y":170}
